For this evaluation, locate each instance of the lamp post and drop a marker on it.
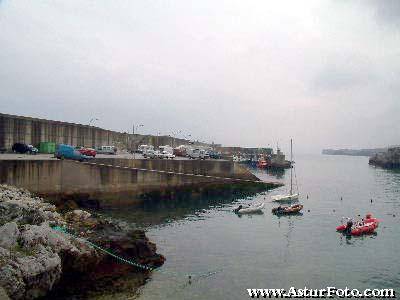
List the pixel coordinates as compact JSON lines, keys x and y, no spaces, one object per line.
{"x":92,"y":120}
{"x":90,"y":123}
{"x":135,"y":127}
{"x":158,"y":135}
{"x":174,"y":135}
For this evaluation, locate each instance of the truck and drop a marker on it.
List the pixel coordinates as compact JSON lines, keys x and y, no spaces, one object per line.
{"x":197,"y":154}
{"x":106,"y":150}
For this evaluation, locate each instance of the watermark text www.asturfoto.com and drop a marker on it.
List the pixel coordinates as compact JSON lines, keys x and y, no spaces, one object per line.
{"x":328,"y":292}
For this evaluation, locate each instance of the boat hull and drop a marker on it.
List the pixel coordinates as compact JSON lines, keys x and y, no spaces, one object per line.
{"x":368,"y":227}
{"x":293,"y":209}
{"x":365,"y":229}
{"x":251,"y":210}
{"x":291,"y":197}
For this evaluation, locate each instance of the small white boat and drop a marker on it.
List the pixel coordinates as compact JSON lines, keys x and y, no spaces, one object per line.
{"x":290,"y":197}
{"x":249,"y":210}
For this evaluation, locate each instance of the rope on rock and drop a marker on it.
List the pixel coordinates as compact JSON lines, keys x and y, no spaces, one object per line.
{"x":133,"y":263}
{"x":129,"y":262}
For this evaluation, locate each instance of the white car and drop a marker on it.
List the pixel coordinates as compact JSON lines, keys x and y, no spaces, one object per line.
{"x":158,"y":154}
{"x":150,"y":154}
{"x":167,"y":155}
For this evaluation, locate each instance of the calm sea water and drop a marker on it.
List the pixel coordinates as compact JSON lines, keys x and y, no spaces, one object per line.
{"x":266,"y":251}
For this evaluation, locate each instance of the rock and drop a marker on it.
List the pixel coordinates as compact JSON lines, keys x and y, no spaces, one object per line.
{"x":9,"y":234}
{"x":12,"y":281}
{"x":36,"y":257}
{"x":21,"y":207}
{"x":40,"y":272}
{"x":3,"y":294}
{"x":77,"y":215}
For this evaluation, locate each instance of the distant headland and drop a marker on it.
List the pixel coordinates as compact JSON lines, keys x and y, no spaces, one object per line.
{"x":354,"y":152}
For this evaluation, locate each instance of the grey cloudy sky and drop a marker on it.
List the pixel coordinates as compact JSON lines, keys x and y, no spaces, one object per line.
{"x":250,"y":73}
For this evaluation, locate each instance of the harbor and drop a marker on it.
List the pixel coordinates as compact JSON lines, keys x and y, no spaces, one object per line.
{"x":158,"y":150}
{"x":158,"y":192}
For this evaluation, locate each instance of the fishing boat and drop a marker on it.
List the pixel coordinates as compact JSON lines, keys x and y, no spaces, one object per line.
{"x":291,"y":196}
{"x":249,"y":210}
{"x":286,"y":210}
{"x":262,"y":164}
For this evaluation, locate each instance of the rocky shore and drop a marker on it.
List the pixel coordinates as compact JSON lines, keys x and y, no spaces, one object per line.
{"x":388,"y":160}
{"x":36,"y":260}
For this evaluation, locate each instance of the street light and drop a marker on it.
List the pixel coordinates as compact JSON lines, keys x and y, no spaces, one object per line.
{"x":133,"y":133}
{"x":174,"y":135}
{"x":158,"y":135}
{"x":92,"y":120}
{"x":136,"y":127}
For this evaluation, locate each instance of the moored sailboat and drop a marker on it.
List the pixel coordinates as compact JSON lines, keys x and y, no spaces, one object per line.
{"x":291,"y":196}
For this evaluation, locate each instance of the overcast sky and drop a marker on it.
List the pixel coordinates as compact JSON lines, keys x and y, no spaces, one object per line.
{"x":249,"y":73}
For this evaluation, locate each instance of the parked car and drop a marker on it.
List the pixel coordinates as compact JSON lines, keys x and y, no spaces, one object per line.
{"x":24,"y":148}
{"x":106,"y":150}
{"x":166,"y":148}
{"x":215,"y":155}
{"x":32,"y":150}
{"x":144,"y":148}
{"x":158,"y":154}
{"x":66,"y":151}
{"x":149,"y":154}
{"x":167,"y":155}
{"x":87,"y":151}
{"x":180,"y":151}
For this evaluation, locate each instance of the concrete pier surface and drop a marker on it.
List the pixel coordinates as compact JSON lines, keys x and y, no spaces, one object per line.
{"x":120,"y":182}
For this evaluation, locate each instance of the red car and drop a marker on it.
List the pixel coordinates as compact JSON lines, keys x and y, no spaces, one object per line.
{"x":87,"y":151}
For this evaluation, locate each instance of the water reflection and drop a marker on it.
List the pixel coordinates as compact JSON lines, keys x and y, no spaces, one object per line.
{"x":158,"y":212}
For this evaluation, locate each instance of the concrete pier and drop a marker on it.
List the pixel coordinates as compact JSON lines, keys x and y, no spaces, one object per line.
{"x":120,"y":184}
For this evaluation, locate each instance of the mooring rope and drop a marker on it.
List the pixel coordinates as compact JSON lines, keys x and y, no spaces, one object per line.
{"x":133,"y":263}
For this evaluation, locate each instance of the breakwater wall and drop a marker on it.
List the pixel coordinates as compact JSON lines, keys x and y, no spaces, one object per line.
{"x":18,"y":129}
{"x":108,"y":185}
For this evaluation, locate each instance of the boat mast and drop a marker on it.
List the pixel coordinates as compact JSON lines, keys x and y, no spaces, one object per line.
{"x":291,"y":168}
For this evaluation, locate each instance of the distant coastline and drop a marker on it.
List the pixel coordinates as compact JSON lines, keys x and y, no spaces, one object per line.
{"x":354,"y":152}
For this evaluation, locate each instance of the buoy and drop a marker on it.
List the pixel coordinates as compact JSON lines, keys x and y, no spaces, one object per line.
{"x":371,"y":200}
{"x":308,"y":210}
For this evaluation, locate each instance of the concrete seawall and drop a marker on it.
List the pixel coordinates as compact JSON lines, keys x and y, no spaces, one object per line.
{"x":108,"y":185}
{"x":28,"y":130}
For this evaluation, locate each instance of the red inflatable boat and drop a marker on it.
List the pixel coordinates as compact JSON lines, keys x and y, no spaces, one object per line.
{"x":367,"y":225}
